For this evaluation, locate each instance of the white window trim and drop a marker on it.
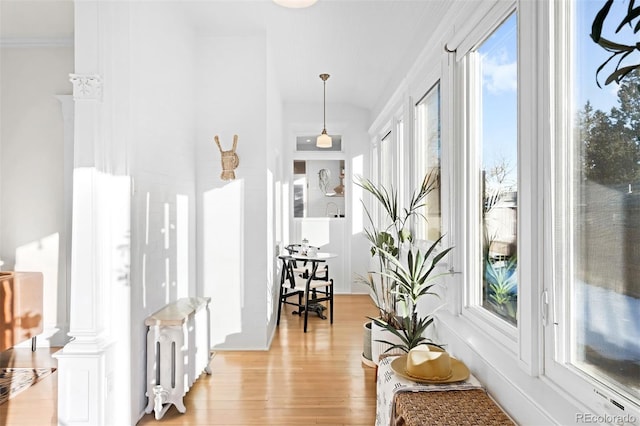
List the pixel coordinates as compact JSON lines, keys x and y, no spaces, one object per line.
{"x":488,"y":324}
{"x":557,"y":367}
{"x":415,"y":176}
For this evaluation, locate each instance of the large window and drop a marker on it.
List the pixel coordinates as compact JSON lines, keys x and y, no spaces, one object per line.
{"x":427,"y":161}
{"x":386,"y":161}
{"x":598,"y":193}
{"x":495,"y":139}
{"x":385,"y":172}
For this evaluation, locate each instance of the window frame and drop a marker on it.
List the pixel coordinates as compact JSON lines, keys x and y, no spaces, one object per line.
{"x":417,"y":150}
{"x":557,"y":334}
{"x":468,"y":74}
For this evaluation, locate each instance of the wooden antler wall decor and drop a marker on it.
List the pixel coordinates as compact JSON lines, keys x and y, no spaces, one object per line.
{"x":229,"y":159}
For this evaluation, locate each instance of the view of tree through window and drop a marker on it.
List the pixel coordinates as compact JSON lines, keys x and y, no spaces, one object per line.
{"x":497,"y":58}
{"x":605,"y":284}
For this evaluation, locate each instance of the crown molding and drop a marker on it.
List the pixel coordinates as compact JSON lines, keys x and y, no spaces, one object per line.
{"x":31,"y":42}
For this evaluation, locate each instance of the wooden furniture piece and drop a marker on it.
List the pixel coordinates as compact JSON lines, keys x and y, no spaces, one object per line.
{"x":178,"y":350}
{"x":21,"y":303}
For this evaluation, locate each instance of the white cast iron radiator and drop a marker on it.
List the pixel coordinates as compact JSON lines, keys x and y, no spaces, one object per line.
{"x":178,"y":350}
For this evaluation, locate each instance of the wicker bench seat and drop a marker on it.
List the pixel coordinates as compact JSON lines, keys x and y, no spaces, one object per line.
{"x":466,"y":407}
{"x":406,"y":403}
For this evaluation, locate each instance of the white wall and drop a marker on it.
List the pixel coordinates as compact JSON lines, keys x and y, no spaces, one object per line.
{"x":233,"y":215}
{"x":162,"y":165}
{"x":352,"y":123}
{"x":274,"y":180}
{"x":33,"y":218}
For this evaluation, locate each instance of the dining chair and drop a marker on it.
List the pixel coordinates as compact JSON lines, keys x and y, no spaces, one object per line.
{"x":291,"y":285}
{"x":302,"y":267}
{"x":309,"y":282}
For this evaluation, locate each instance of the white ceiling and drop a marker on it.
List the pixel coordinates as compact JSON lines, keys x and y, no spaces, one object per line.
{"x":364,"y":44}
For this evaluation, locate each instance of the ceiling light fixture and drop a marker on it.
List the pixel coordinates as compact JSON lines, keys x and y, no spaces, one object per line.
{"x":324,"y":140}
{"x":295,"y":4}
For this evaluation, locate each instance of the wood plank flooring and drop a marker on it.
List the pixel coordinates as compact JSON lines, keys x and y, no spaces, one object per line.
{"x":312,"y":378}
{"x":37,"y":405}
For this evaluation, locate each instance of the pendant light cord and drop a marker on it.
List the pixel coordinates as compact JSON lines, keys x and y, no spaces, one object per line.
{"x":324,"y":105}
{"x":324,"y":78}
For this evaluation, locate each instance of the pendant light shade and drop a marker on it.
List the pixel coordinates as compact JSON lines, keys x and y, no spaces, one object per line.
{"x":324,"y":140}
{"x":295,"y":4}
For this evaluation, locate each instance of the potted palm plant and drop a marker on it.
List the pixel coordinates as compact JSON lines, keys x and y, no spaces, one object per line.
{"x":395,"y":287}
{"x":411,"y":282}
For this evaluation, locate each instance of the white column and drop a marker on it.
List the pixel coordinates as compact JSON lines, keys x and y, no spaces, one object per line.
{"x":81,"y":363}
{"x":93,"y":371}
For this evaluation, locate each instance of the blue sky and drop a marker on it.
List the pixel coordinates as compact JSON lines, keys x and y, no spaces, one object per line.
{"x":499,"y":74}
{"x":499,"y":97}
{"x":590,"y":55}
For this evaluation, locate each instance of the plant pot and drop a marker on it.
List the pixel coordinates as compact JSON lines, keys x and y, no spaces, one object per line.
{"x":379,"y":348}
{"x":366,"y":345}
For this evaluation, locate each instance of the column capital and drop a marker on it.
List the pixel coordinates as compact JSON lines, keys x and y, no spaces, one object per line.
{"x":86,"y":86}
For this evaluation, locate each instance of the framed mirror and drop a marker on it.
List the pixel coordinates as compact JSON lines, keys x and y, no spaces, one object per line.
{"x":318,"y":188}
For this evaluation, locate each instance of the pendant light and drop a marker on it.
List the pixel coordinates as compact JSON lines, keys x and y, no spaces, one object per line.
{"x":324,"y":140}
{"x":295,"y":4}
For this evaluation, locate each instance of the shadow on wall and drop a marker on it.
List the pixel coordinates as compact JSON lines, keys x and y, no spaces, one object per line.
{"x":223,"y":258}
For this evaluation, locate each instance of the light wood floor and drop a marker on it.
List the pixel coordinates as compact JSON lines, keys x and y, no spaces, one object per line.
{"x":37,"y":405}
{"x":312,"y":378}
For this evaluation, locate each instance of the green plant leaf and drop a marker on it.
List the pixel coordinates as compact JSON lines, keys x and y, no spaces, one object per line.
{"x":631,"y":15}
{"x":620,"y":73}
{"x":598,"y":22}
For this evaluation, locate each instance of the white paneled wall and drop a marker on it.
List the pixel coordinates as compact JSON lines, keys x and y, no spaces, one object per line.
{"x":232,"y":215}
{"x":162,"y":163}
{"x":329,"y":235}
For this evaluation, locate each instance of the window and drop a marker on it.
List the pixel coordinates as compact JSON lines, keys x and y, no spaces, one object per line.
{"x":494,"y":87}
{"x":427,"y":161}
{"x":386,"y":171}
{"x":386,"y":161}
{"x":597,"y":192}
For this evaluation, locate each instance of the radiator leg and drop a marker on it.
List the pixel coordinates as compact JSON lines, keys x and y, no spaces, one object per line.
{"x":180,"y":406}
{"x":160,"y":396}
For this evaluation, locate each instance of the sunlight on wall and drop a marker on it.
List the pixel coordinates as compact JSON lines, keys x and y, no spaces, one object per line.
{"x":223,"y":248}
{"x":146,"y":244}
{"x":286,"y":209}
{"x":357,"y":169}
{"x":182,"y":245}
{"x":167,"y":280}
{"x":166,"y":231}
{"x":316,"y":230}
{"x":117,"y":200}
{"x":270,"y":248}
{"x":42,"y":256}
{"x":279,"y":210}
